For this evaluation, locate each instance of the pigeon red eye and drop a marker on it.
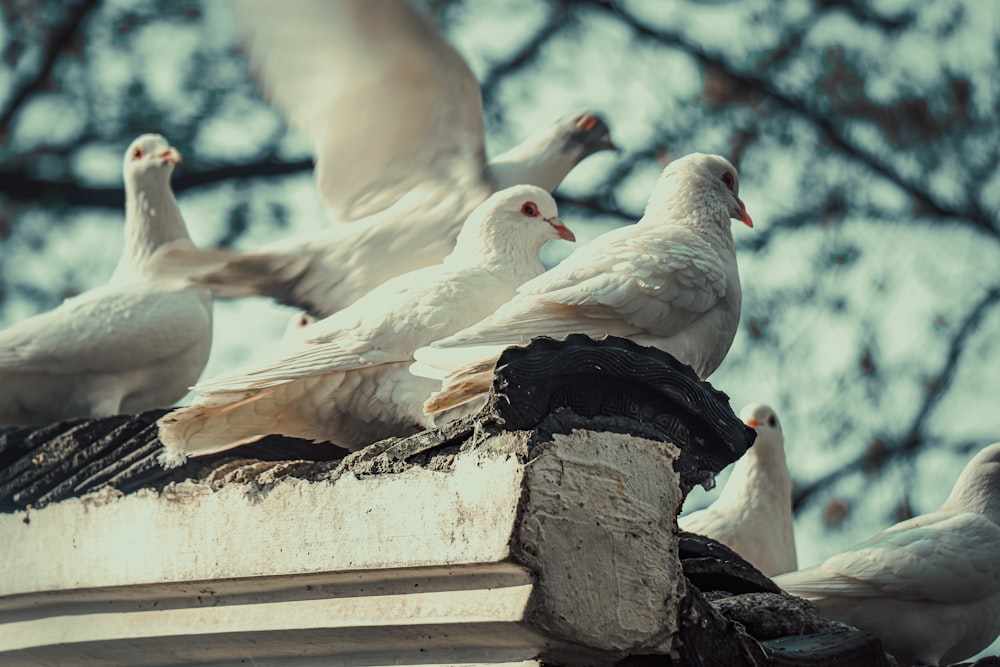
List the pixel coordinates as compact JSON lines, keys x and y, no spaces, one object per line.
{"x":728,"y":179}
{"x":136,"y":153}
{"x":529,"y":209}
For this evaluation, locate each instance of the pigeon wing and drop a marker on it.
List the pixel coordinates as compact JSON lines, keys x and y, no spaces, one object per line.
{"x":391,"y":108}
{"x":942,"y":557}
{"x":106,"y":330}
{"x":383,"y":328}
{"x":632,"y":284}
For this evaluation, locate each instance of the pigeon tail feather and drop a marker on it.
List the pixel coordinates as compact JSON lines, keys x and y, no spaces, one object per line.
{"x":438,"y":363}
{"x":462,"y":386}
{"x":207,"y":428}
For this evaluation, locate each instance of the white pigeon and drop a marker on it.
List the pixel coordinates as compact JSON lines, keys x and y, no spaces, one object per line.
{"x":753,"y":514}
{"x":928,"y":587}
{"x":296,"y":331}
{"x":395,"y":118}
{"x":348,"y":382}
{"x":669,"y":281}
{"x":126,"y":346}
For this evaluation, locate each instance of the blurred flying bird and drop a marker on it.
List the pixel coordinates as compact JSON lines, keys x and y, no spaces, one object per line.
{"x":395,"y":118}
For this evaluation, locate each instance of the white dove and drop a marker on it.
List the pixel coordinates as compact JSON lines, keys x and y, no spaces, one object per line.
{"x":753,"y":514}
{"x":348,"y":382}
{"x":296,"y":331}
{"x":395,"y":118}
{"x":669,"y":281}
{"x":928,"y":587}
{"x":126,"y":346}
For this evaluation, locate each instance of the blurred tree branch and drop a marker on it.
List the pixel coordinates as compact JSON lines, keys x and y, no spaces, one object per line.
{"x":523,"y":57}
{"x":61,"y":39}
{"x":970,"y":213}
{"x":912,"y":438}
{"x":18,"y":186}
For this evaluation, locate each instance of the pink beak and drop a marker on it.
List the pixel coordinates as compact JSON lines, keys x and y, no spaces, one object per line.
{"x":562,"y":230}
{"x":172,"y":156}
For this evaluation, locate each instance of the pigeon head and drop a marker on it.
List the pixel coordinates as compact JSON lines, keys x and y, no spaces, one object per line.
{"x":526,"y":209}
{"x":699,"y":183}
{"x":148,"y":156}
{"x":511,"y":222}
{"x":586,"y":134}
{"x":718,"y":173}
{"x":545,"y":158}
{"x":722,"y":171}
{"x":763,"y":419}
{"x":978,"y":487}
{"x":296,"y":331}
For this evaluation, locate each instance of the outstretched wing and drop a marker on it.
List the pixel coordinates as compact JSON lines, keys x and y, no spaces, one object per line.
{"x":393,"y":111}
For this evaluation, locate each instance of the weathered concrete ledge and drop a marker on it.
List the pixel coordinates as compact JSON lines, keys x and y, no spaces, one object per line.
{"x":559,"y":551}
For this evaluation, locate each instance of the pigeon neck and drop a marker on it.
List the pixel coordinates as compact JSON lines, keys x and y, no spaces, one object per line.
{"x":497,"y":253}
{"x":759,"y":480}
{"x":973,"y":493}
{"x":697,"y":208}
{"x":152,"y":219}
{"x":533,"y":162}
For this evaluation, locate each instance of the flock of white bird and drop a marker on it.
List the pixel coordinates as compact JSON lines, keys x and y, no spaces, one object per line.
{"x":429,"y":271}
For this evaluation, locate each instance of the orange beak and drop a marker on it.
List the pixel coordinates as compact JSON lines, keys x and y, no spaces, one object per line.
{"x":744,"y":216}
{"x":586,"y":122}
{"x":752,"y":423}
{"x":562,"y":230}
{"x":172,"y":156}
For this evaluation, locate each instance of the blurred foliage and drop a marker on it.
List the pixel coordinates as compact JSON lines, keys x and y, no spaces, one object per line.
{"x":866,"y":134}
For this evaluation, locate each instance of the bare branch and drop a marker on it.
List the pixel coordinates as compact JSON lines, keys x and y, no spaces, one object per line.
{"x":907,"y":443}
{"x":524,"y":57}
{"x":61,"y":39}
{"x":18,"y":186}
{"x":864,"y":13}
{"x":593,"y":206}
{"x":927,"y":204}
